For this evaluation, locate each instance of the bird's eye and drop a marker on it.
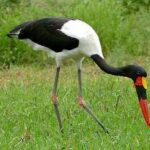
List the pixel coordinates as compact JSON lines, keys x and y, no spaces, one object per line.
{"x":138,"y":72}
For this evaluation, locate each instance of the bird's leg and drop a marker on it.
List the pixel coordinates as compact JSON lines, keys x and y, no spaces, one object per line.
{"x":55,"y":101}
{"x":83,"y":104}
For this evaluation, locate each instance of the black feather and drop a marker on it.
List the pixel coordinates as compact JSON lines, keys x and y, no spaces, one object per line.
{"x":17,"y":28}
{"x":46,"y":32}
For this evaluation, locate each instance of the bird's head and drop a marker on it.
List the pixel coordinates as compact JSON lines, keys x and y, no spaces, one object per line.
{"x":138,"y":75}
{"x":134,"y":71}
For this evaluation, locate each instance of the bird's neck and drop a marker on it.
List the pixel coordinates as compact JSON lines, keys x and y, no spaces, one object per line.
{"x":105,"y":67}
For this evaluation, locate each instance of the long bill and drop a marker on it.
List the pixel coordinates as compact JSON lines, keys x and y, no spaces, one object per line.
{"x":141,"y":87}
{"x":139,"y":82}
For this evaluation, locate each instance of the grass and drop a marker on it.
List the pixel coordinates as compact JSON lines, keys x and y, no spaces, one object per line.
{"x":27,"y":115}
{"x":28,"y":120}
{"x":118,"y":30}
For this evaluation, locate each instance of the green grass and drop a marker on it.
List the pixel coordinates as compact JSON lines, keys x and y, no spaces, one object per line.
{"x":28,"y":120}
{"x":118,"y":30}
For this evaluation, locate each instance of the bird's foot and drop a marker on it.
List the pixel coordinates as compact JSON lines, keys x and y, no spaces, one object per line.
{"x":81,"y":101}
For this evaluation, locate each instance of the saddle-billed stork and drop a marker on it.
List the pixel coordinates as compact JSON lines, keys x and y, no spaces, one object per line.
{"x":65,"y":38}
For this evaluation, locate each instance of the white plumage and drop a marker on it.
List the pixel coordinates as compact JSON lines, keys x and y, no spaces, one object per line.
{"x":89,"y":43}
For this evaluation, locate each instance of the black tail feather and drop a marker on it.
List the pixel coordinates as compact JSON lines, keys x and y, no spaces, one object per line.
{"x":10,"y":35}
{"x":14,"y":31}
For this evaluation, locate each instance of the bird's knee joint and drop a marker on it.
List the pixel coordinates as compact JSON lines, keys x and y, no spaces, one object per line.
{"x":54,"y":98}
{"x":81,"y":102}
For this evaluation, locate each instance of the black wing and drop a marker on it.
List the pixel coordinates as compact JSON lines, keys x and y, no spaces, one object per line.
{"x":46,"y":33}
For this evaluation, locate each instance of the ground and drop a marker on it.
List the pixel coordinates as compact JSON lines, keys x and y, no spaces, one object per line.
{"x":28,"y":120}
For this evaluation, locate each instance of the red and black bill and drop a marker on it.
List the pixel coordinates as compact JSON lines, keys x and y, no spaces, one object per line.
{"x":141,"y":87}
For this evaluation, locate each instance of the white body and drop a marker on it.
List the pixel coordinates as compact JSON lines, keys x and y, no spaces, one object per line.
{"x":89,"y":43}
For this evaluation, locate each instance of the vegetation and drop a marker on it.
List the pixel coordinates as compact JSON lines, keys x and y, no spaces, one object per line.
{"x":28,"y":120}
{"x":27,"y":115}
{"x":118,"y":29}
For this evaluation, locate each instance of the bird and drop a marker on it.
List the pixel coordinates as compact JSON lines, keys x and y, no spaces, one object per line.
{"x":68,"y":38}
